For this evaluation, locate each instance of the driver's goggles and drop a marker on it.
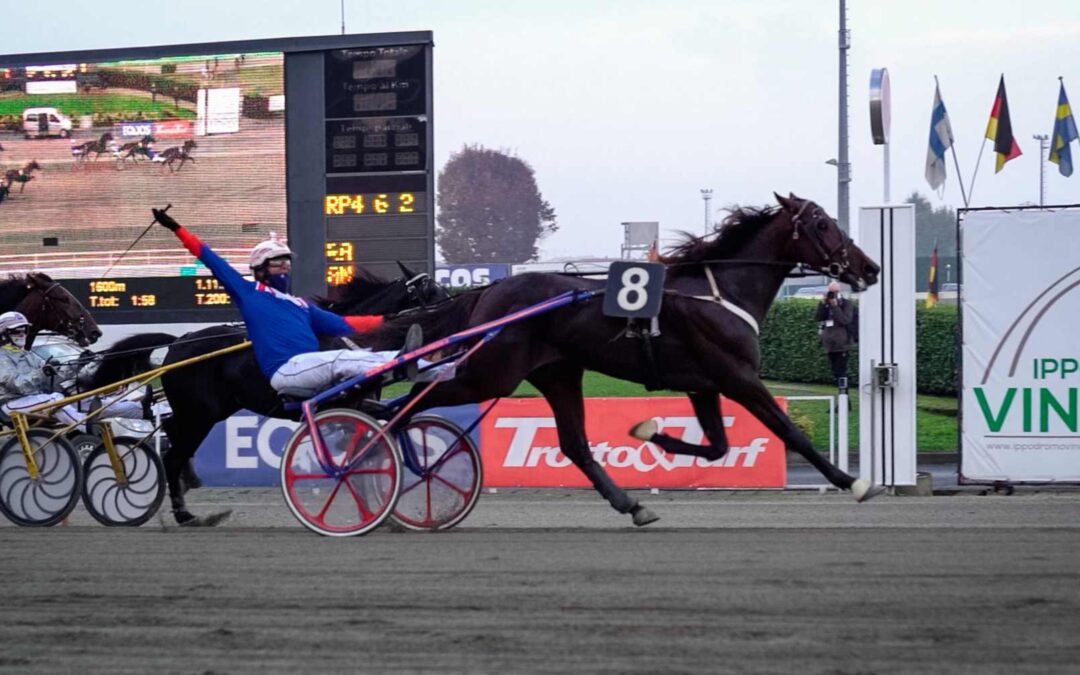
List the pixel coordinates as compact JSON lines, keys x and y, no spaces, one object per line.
{"x":279,"y":264}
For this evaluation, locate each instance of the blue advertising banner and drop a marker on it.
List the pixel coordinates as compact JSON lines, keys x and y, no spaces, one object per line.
{"x":245,"y":450}
{"x":464,"y":276}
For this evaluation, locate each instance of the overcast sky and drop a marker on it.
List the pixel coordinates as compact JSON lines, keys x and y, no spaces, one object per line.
{"x":626,"y":110}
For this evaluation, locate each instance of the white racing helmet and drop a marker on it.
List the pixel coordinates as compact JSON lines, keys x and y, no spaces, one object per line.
{"x":263,"y":251}
{"x":10,"y":320}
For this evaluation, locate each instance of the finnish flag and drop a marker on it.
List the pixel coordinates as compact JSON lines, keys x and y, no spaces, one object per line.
{"x":941,"y":139}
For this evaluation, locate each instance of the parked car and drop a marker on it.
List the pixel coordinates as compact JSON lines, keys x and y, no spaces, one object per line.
{"x":45,"y":122}
{"x":814,"y":292}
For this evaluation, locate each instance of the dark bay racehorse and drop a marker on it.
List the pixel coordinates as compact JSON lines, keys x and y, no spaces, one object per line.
{"x":203,"y":394}
{"x":23,"y":175}
{"x":705,"y":348}
{"x":133,"y":149}
{"x":181,"y":153}
{"x":48,"y":306}
{"x":82,"y":151}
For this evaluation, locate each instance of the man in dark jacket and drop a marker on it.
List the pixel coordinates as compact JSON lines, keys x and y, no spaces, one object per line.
{"x":836,"y":325}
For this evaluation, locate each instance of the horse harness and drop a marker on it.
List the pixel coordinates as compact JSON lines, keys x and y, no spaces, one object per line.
{"x":800,"y":227}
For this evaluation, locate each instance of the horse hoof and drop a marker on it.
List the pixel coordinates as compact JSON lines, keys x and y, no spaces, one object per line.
{"x":644,"y":431}
{"x":643,"y":516}
{"x":212,"y":520}
{"x":864,"y":490}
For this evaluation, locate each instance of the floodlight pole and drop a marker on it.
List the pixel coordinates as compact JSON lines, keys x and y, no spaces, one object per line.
{"x":843,"y":166}
{"x":1043,"y":144}
{"x":706,"y":194}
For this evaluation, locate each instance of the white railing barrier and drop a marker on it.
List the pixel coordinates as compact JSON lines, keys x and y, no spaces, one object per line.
{"x":838,"y":433}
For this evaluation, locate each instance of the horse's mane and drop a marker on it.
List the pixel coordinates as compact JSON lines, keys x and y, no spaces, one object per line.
{"x":13,"y":289}
{"x":729,"y":237}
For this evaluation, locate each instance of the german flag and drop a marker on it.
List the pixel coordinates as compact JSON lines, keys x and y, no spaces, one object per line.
{"x":932,"y":285}
{"x":999,"y":129}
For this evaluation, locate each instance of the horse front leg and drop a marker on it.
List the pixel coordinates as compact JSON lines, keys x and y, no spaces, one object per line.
{"x":707,"y":409}
{"x":759,"y":402}
{"x":560,"y":383}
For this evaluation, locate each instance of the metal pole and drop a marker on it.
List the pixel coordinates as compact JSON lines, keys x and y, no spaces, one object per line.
{"x":706,"y":194}
{"x":342,"y":17}
{"x":887,"y":173}
{"x":1043,"y":140}
{"x":843,"y":166}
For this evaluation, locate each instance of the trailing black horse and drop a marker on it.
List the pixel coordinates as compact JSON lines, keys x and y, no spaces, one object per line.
{"x":203,"y":394}
{"x":717,"y":292}
{"x":48,"y":306}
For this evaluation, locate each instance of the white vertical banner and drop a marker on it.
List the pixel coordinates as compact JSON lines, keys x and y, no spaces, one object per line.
{"x":887,"y":435}
{"x":1020,"y":345}
{"x":218,"y":111}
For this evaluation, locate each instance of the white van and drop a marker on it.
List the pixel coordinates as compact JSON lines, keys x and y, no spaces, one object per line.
{"x":45,"y":122}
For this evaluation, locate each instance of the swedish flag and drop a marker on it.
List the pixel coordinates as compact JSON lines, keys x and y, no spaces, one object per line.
{"x":1064,"y":133}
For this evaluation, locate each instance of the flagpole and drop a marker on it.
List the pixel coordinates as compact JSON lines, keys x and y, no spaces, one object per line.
{"x":956,"y":163}
{"x":971,"y":189}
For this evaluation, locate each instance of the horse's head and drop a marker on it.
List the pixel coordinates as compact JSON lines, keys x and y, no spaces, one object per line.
{"x":189,"y":145}
{"x":818,"y":242}
{"x":49,"y":306}
{"x":106,"y":137}
{"x":420,"y":289}
{"x":33,"y":165}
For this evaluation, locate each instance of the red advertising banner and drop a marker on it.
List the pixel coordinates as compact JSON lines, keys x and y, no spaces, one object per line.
{"x":174,"y":129}
{"x":520,"y":446}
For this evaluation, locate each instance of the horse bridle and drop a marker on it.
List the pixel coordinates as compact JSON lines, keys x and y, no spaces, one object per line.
{"x":66,"y":325}
{"x":416,"y":288}
{"x":833,"y":269}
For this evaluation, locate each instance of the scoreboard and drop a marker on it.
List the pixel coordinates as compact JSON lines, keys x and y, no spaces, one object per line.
{"x":353,"y":130}
{"x":377,"y":140}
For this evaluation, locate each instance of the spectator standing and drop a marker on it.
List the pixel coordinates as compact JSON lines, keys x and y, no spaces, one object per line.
{"x":836,"y":326}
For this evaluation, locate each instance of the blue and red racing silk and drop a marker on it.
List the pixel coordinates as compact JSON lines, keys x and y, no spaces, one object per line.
{"x":279,"y":325}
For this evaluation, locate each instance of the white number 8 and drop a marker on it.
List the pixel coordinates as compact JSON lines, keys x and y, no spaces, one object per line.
{"x":634,"y":281}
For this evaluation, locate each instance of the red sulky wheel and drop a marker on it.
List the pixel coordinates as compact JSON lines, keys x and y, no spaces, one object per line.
{"x":442,"y":474}
{"x":355,"y":486}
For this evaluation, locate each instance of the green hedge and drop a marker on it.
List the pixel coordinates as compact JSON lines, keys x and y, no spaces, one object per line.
{"x":791,"y":351}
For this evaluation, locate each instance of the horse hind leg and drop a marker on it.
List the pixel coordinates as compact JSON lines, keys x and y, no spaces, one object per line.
{"x":707,"y":409}
{"x":561,"y":386}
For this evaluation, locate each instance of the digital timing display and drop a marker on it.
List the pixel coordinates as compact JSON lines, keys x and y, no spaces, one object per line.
{"x":370,"y":204}
{"x":131,"y":299}
{"x":341,"y":262}
{"x":377,"y":143}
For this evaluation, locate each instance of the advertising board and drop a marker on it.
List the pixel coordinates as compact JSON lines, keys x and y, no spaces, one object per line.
{"x":1020,"y":348}
{"x":519,"y":447}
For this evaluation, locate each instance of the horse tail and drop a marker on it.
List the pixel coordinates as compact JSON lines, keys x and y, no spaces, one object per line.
{"x":128,"y":357}
{"x":438,"y":322}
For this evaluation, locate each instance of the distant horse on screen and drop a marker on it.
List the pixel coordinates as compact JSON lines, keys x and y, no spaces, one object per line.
{"x":22,"y":176}
{"x":81,"y":151}
{"x":169,"y":156}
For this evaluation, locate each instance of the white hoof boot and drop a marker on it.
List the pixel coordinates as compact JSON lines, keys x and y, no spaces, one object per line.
{"x":643,"y":431}
{"x":864,"y":490}
{"x":643,"y":516}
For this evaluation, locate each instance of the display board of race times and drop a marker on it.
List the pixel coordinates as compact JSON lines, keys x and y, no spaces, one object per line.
{"x":322,"y":142}
{"x":1019,"y":299}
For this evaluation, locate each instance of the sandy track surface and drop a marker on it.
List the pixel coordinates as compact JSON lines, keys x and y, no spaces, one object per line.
{"x":557,"y":582}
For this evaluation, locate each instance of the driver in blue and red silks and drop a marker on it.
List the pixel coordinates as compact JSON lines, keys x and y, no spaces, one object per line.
{"x":283,"y":328}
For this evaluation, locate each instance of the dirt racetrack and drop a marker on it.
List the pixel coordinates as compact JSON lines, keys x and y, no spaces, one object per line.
{"x":557,"y":582}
